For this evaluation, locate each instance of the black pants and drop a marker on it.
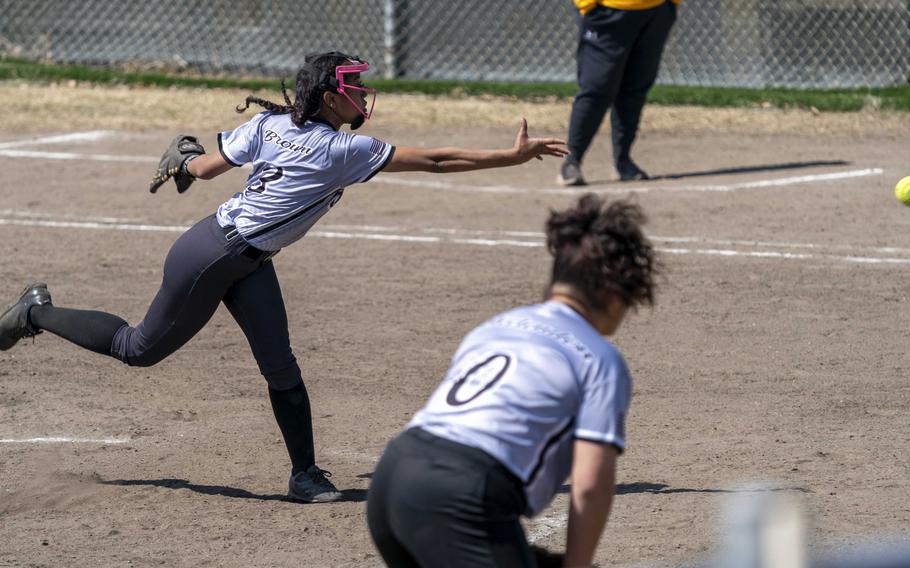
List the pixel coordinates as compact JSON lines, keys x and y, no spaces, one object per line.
{"x":204,"y":268}
{"x":436,"y":503}
{"x":618,"y":58}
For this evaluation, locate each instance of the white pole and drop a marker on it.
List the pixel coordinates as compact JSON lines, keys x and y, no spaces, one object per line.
{"x":764,"y":531}
{"x":390,"y":32}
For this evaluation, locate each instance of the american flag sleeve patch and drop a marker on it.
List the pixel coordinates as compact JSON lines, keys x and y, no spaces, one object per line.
{"x":377,"y":147}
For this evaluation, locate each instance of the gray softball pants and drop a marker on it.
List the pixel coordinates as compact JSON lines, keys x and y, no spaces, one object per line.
{"x":204,"y":268}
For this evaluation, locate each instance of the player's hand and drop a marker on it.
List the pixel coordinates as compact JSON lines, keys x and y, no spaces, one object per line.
{"x":181,"y":149}
{"x":528,"y":148}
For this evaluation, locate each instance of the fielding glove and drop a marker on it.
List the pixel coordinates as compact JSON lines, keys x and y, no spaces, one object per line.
{"x":173,"y":162}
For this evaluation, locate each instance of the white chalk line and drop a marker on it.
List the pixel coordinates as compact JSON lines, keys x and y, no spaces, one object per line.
{"x":89,"y":136}
{"x":51,"y":219}
{"x":94,"y":225}
{"x":44,"y":215}
{"x":77,"y":156}
{"x":777,"y":182}
{"x":380,"y":229}
{"x":419,"y":239}
{"x":538,"y":236}
{"x":624,"y":189}
{"x":352,"y":231}
{"x":490,"y":242}
{"x":782,"y":244}
{"x":65,"y":440}
{"x":444,"y":185}
{"x":447,"y":186}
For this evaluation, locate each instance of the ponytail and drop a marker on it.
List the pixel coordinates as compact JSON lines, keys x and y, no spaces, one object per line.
{"x":313,"y":79}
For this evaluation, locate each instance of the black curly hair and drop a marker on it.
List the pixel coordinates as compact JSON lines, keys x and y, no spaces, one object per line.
{"x":316,"y":76}
{"x":599,"y":247}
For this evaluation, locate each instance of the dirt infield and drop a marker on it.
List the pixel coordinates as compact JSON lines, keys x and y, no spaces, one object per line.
{"x":776,"y":354}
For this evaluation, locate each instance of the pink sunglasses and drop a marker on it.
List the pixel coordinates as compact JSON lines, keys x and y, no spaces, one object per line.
{"x":343,"y":70}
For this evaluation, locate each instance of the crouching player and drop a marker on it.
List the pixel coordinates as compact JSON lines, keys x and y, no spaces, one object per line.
{"x":532,"y":396}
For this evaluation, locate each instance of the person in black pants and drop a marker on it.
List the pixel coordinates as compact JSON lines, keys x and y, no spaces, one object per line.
{"x":618,"y":56}
{"x":302,"y":163}
{"x":532,"y":396}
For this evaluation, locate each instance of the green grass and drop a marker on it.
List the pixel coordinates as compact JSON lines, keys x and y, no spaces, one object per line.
{"x":31,"y":71}
{"x":840,"y":100}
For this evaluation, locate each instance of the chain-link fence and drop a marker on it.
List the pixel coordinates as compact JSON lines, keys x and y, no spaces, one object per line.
{"x":747,"y":43}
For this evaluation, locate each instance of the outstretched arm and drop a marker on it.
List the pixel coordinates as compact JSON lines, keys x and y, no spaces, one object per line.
{"x":593,"y":485}
{"x":448,"y":160}
{"x":208,"y":166}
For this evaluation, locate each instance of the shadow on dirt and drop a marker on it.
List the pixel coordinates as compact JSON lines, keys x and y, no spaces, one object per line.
{"x":664,"y":489}
{"x":754,"y":169}
{"x":357,"y":495}
{"x":735,"y":170}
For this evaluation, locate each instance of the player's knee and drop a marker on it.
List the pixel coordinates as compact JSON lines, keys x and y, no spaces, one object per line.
{"x":284,"y":378}
{"x":598,"y":85}
{"x":132,"y":348}
{"x":146,"y":359}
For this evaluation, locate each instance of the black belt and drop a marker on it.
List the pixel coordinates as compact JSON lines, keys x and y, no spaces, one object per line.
{"x":249,"y":251}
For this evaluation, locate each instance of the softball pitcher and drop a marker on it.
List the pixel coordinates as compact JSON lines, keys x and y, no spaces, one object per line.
{"x":532,"y":395}
{"x":302,"y":163}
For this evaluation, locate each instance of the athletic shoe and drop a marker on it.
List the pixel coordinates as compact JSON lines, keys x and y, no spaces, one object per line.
{"x":570,"y":173}
{"x":313,"y":486}
{"x":14,"y":324}
{"x":629,"y":171}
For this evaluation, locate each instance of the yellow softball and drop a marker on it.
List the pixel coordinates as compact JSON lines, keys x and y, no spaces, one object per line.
{"x":902,"y":190}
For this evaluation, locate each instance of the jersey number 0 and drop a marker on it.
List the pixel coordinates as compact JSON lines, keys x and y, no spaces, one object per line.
{"x":479,"y":379}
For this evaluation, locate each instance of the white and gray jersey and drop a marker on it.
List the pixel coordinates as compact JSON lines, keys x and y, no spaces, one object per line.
{"x":523,"y":386}
{"x":299,"y":173}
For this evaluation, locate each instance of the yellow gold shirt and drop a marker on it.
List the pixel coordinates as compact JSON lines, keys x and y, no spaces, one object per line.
{"x":585,"y":6}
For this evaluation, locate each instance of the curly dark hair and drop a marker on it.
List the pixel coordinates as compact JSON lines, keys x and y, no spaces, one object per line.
{"x":600,"y":248}
{"x":316,"y":76}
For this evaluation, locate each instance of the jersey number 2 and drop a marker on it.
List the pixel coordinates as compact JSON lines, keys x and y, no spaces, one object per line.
{"x":271,"y":173}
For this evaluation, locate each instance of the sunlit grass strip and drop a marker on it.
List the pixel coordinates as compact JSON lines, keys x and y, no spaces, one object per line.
{"x":839,"y":100}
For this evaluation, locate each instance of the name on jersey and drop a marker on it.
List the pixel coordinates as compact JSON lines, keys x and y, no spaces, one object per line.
{"x":274,"y":138}
{"x":567,"y":339}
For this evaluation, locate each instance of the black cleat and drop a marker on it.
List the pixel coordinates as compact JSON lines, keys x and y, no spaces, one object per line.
{"x":629,"y":171}
{"x":570,"y":173}
{"x":14,"y":324}
{"x":313,"y":486}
